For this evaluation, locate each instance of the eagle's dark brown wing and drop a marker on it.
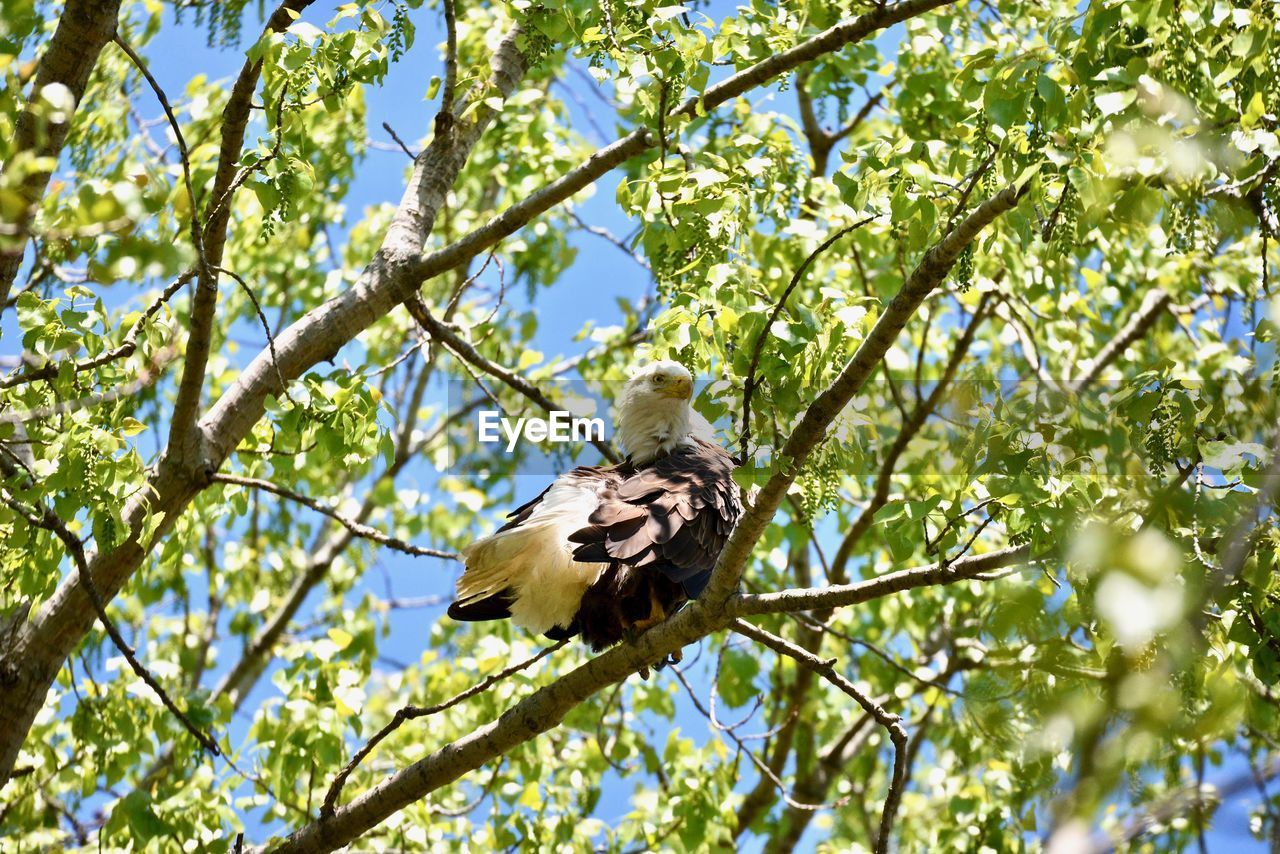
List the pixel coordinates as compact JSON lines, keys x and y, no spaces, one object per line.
{"x":661,"y":531}
{"x":673,"y":516}
{"x":658,"y":530}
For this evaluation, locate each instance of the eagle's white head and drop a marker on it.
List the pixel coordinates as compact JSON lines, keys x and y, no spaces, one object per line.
{"x":654,"y":415}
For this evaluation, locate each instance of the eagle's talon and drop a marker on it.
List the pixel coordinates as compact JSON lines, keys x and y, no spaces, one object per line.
{"x":672,"y":660}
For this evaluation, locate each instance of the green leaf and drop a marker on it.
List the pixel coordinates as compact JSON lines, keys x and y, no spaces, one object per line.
{"x":1110,"y":103}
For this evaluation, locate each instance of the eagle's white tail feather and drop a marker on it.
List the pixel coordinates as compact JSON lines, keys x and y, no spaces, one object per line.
{"x":535,"y":559}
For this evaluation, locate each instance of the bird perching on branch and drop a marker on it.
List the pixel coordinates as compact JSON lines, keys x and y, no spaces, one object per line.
{"x":607,"y":552}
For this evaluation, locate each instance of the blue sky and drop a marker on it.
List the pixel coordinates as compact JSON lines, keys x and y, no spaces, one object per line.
{"x":590,"y":290}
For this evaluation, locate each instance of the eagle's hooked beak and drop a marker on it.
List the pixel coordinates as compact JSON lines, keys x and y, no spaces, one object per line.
{"x":680,"y":388}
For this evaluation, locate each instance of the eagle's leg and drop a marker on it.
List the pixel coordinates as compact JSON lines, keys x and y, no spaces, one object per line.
{"x":657,"y":613}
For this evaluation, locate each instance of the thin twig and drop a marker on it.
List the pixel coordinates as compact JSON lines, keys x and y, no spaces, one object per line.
{"x":787,"y":795}
{"x":466,"y":351}
{"x":485,"y":791}
{"x":400,"y":142}
{"x":749,"y":386}
{"x":216,"y":209}
{"x":266,"y":328}
{"x":982,"y":169}
{"x":606,"y":234}
{"x":861,"y":116}
{"x":470,"y":280}
{"x":931,"y":544}
{"x":127,"y":347}
{"x":357,"y":528}
{"x":875,"y":650}
{"x":197,"y":235}
{"x":148,"y":375}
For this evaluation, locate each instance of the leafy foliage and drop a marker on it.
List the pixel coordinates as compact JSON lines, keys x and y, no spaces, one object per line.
{"x":1094,"y":378}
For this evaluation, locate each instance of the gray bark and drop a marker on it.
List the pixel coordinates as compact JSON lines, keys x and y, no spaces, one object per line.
{"x":83,"y":30}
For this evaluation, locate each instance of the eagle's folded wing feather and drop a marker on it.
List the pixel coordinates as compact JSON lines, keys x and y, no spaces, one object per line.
{"x":687,"y":503}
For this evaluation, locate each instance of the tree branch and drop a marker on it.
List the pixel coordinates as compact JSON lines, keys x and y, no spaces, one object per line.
{"x":768,"y":774}
{"x":36,"y":655}
{"x":812,"y":428}
{"x":545,"y":708}
{"x":357,"y":528}
{"x":450,"y":67}
{"x":891,"y":722}
{"x":843,"y":595}
{"x":464,"y":349}
{"x":184,"y":439}
{"x":1153,"y":305}
{"x":83,"y":31}
{"x":408,"y":713}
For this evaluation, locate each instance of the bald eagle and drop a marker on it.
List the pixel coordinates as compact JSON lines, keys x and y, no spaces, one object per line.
{"x":607,"y":552}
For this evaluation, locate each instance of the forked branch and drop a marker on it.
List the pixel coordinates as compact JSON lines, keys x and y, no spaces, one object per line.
{"x":891,"y":722}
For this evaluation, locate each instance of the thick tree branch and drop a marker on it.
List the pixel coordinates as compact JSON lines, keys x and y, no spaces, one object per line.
{"x":83,"y":31}
{"x":45,"y":641}
{"x":545,"y":708}
{"x":813,"y":426}
{"x":184,"y":441}
{"x":413,"y":221}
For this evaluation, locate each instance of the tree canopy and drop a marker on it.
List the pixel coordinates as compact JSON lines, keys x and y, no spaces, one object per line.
{"x":981,"y":294}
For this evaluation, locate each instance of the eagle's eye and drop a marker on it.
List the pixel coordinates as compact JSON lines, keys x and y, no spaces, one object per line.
{"x":659,"y":379}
